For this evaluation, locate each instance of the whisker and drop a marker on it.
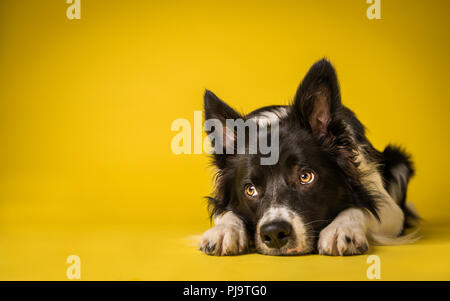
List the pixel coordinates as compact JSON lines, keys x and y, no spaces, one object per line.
{"x":321,"y":220}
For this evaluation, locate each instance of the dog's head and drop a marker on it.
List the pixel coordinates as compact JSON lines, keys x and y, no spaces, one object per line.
{"x":286,"y":204}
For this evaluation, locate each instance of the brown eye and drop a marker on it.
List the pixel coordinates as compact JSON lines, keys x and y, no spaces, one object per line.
{"x":306,"y":177}
{"x":251,"y":191}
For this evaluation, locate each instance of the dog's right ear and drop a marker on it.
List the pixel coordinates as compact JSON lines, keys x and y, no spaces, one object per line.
{"x":216,"y":114}
{"x":318,"y":98}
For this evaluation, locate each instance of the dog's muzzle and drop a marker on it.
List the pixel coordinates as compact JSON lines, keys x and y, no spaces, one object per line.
{"x":281,"y":231}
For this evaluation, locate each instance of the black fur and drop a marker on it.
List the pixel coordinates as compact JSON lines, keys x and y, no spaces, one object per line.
{"x":318,"y":134}
{"x":394,"y":157}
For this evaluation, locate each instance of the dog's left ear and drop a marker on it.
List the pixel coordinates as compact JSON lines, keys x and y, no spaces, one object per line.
{"x":318,"y":98}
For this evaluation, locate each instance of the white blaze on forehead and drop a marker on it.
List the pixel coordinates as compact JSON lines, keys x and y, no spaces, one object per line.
{"x":268,"y":117}
{"x":285,"y":214}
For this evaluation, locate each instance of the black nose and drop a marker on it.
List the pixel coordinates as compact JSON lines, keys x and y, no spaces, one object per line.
{"x":275,"y":234}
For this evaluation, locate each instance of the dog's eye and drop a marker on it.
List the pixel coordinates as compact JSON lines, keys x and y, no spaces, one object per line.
{"x":251,"y":191}
{"x":306,"y":177}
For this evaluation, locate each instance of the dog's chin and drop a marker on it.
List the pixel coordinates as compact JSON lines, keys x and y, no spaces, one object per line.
{"x":289,"y":250}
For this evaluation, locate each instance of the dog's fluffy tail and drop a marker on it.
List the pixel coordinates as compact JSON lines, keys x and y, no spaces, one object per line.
{"x":382,"y":240}
{"x":398,"y":169}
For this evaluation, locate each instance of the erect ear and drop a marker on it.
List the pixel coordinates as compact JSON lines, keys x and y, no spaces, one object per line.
{"x":217,"y":113}
{"x":217,"y":109}
{"x":318,"y":98}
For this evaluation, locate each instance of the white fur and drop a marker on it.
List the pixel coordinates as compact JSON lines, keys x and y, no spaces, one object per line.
{"x":228,"y":237}
{"x":360,"y":225}
{"x":301,"y":244}
{"x":391,"y":215}
{"x":346,"y":235}
{"x":268,"y":117}
{"x":400,"y":173}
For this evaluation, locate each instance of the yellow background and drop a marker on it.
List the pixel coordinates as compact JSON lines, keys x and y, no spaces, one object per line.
{"x":86,"y":107}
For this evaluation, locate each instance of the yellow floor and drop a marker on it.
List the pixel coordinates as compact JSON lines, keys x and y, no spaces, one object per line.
{"x":87,"y":107}
{"x":134,"y":252}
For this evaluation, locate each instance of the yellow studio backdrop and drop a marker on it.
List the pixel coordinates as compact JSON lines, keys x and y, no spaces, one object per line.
{"x":86,"y":107}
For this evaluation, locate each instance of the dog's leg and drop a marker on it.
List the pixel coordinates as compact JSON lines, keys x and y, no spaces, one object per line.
{"x":350,"y":231}
{"x":227,"y":237}
{"x":346,"y":235}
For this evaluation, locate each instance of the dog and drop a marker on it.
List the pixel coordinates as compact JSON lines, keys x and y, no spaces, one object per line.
{"x":330,"y":192}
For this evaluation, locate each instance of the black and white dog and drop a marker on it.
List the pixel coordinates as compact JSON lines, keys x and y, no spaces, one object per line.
{"x":330,"y":191}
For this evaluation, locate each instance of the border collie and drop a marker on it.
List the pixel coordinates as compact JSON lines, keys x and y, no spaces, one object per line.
{"x":330,"y":192}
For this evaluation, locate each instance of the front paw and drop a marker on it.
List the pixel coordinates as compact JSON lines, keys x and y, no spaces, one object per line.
{"x":224,"y":240}
{"x":338,"y":239}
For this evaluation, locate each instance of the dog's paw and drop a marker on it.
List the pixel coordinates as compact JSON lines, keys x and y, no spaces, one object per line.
{"x":342,"y":239}
{"x":224,"y":240}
